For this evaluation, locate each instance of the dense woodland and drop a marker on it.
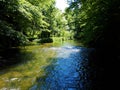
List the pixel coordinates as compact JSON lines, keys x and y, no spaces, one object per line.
{"x":25,"y":20}
{"x":95,"y":23}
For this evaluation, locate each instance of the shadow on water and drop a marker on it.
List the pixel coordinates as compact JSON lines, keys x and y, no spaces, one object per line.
{"x":47,"y":67}
{"x":69,"y":70}
{"x":14,"y":56}
{"x":29,"y":65}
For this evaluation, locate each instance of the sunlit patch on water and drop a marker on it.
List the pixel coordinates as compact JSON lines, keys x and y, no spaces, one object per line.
{"x":65,"y":51}
{"x":65,"y":73}
{"x":47,"y":68}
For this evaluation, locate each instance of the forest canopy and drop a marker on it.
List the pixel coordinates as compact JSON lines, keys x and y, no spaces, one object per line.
{"x":24,"y":20}
{"x":91,"y":21}
{"x":95,"y":22}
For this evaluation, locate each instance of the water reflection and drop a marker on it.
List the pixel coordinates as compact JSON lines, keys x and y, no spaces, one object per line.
{"x":13,"y":56}
{"x":46,"y":67}
{"x":67,"y":73}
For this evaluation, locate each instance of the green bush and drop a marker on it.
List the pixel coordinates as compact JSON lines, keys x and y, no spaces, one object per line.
{"x":10,"y":37}
{"x":46,"y":40}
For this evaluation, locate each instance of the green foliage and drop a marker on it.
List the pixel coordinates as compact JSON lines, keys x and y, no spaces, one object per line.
{"x":27,"y":19}
{"x":44,"y":34}
{"x":92,"y":18}
{"x":22,"y":19}
{"x":56,"y":20}
{"x":10,"y":37}
{"x":46,"y":40}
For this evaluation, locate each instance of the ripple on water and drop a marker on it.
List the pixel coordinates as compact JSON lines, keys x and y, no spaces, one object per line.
{"x":66,"y":72}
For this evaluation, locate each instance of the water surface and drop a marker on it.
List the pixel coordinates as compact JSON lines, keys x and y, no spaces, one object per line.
{"x":48,"y":67}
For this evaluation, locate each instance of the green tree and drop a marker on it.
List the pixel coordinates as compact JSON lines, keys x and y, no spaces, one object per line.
{"x":24,"y":17}
{"x":92,"y":18}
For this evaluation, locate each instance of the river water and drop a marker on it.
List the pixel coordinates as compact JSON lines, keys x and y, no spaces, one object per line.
{"x":65,"y":68}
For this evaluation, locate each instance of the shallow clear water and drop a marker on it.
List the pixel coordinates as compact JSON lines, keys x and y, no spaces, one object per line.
{"x":48,"y":67}
{"x":66,"y":73}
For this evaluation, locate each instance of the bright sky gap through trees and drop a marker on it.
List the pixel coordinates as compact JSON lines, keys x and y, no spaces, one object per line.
{"x":61,"y":4}
{"x":90,"y":23}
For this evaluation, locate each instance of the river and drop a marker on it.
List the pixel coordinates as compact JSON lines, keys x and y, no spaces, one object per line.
{"x":47,"y":67}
